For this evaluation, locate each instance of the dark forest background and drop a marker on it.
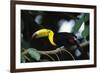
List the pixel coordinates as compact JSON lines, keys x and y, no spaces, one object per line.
{"x":34,"y":50}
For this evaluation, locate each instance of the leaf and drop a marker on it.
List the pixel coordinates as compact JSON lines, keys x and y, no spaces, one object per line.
{"x":78,"y":24}
{"x":34,"y":53}
{"x":85,"y":33}
{"x":23,"y":59}
{"x":24,"y":44}
{"x":86,"y":17}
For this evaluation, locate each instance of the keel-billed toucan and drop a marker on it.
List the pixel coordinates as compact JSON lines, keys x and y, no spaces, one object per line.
{"x":57,"y":39}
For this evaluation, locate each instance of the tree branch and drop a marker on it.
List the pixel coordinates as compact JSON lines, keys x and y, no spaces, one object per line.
{"x":58,"y":49}
{"x":61,"y":49}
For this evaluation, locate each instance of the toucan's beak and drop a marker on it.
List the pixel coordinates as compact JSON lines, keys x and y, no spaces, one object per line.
{"x":34,"y":35}
{"x":44,"y":33}
{"x":41,"y":33}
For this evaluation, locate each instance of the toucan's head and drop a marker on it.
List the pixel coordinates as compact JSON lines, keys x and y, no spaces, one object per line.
{"x":45,"y":33}
{"x":40,"y":33}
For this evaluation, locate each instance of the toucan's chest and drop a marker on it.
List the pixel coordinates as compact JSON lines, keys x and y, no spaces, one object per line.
{"x":42,"y":44}
{"x":64,"y":39}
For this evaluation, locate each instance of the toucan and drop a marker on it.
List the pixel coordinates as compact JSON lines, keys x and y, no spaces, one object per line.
{"x":46,"y":37}
{"x":56,"y":39}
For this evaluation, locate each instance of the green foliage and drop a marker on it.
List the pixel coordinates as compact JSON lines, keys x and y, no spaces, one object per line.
{"x":78,"y":24}
{"x":86,"y":17}
{"x":23,"y":60}
{"x":85,"y":33}
{"x":24,"y":44}
{"x":34,"y":53}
